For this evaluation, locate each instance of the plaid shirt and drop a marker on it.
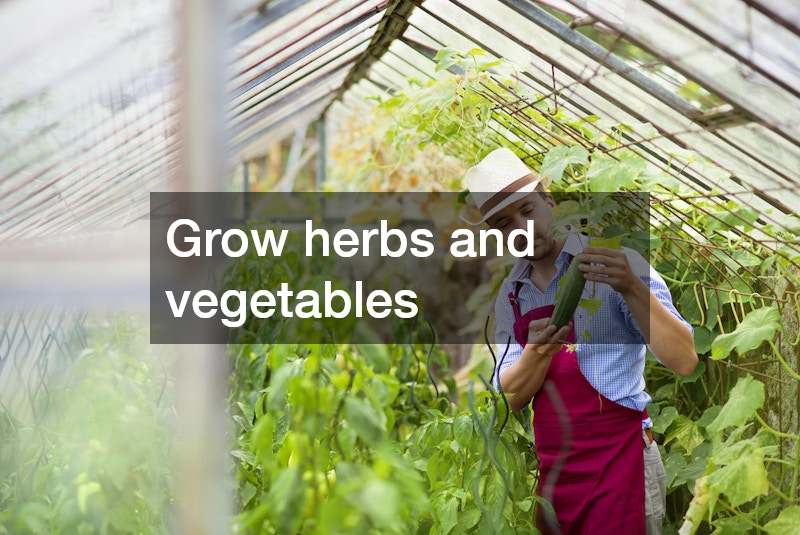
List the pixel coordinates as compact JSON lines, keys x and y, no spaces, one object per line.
{"x":611,"y":349}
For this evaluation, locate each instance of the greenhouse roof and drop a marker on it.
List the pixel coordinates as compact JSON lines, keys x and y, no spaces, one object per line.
{"x":91,"y":94}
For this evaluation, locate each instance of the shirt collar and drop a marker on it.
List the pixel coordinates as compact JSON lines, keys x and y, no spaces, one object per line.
{"x":572,"y":247}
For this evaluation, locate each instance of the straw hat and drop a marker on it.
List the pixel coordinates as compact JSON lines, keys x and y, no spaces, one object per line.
{"x":500,"y":179}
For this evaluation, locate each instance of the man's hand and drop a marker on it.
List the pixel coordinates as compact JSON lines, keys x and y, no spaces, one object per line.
{"x":545,"y":340}
{"x":611,"y":266}
{"x":523,"y":379}
{"x":668,"y":338}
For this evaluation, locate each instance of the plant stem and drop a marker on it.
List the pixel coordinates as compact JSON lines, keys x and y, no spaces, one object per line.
{"x":738,"y":513}
{"x":775,"y":432}
{"x":778,"y":461}
{"x":780,"y":494}
{"x":783,"y":362}
{"x":796,"y":472}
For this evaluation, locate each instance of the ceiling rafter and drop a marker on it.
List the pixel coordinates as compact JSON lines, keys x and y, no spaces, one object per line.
{"x":391,"y":27}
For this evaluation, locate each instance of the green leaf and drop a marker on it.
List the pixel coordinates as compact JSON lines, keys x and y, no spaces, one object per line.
{"x":446,"y":510}
{"x":446,"y":58}
{"x":786,"y":523}
{"x":247,"y":413}
{"x":610,"y":243}
{"x":377,"y":356}
{"x":84,"y":492}
{"x":608,"y":174}
{"x":471,"y":98}
{"x":693,"y":470}
{"x":246,"y":492}
{"x":703,"y":338}
{"x":488,"y":64}
{"x":525,"y":505}
{"x":731,"y":451}
{"x":689,"y":306}
{"x":745,"y":398}
{"x":592,"y":305}
{"x":468,"y":519}
{"x":665,"y":419}
{"x":699,"y":371}
{"x":369,"y":424}
{"x":686,"y":432}
{"x":380,"y":500}
{"x":462,"y":430}
{"x":758,"y":326}
{"x":286,"y":498}
{"x":558,"y":158}
{"x":709,"y":415}
{"x":734,"y":217}
{"x":742,"y":480}
{"x":673,"y":464}
{"x":732,"y":525}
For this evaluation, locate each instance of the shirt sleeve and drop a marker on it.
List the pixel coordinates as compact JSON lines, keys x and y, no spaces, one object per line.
{"x":657,"y":286}
{"x":508,"y":350}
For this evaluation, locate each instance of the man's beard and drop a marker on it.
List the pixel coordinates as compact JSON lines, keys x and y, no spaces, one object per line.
{"x":546,"y":246}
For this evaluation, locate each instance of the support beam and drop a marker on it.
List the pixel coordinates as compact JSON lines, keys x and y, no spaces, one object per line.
{"x":203,"y":501}
{"x":392,"y":26}
{"x":322,"y":151}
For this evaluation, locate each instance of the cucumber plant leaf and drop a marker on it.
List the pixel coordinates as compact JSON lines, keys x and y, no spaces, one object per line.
{"x":557,"y":159}
{"x":609,"y":174}
{"x":758,"y":326}
{"x":786,"y":523}
{"x":740,"y":481}
{"x":745,"y":399}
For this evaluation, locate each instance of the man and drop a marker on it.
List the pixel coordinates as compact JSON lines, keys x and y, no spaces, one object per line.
{"x":590,"y":423}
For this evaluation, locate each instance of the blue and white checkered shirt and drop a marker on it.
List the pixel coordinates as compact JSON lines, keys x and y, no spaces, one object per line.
{"x":611,"y":349}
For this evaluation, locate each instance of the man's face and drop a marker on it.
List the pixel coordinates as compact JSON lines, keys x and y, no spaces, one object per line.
{"x":536,"y":206}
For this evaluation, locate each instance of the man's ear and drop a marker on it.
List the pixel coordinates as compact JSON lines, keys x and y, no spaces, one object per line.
{"x":548,"y":198}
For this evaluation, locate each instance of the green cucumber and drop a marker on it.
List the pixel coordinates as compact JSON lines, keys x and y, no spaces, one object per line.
{"x":569,"y":295}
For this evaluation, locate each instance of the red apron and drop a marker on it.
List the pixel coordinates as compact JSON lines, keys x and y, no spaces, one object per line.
{"x":591,"y":465}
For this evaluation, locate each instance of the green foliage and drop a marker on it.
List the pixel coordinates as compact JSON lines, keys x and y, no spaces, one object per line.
{"x":786,"y":523}
{"x":331,"y":445}
{"x":756,"y":328}
{"x":745,"y":398}
{"x":98,"y":459}
{"x":363,"y":438}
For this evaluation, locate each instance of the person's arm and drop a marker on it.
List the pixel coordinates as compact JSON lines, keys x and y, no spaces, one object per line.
{"x":520,"y":371}
{"x":669,"y":338}
{"x":523,"y":379}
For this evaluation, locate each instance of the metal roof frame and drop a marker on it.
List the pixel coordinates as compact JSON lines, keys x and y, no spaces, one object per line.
{"x":295,"y":58}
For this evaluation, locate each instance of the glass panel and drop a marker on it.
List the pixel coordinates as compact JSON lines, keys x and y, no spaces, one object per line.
{"x":277,"y":131}
{"x":88,"y":139}
{"x":744,"y":31}
{"x":419,"y":35}
{"x":706,"y":64}
{"x":769,"y":147}
{"x":424,"y":68}
{"x":291,"y":106}
{"x":388,"y":72}
{"x":788,"y":11}
{"x":360,"y":33}
{"x":105,"y":48}
{"x":270,"y":47}
{"x":273,"y":88}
